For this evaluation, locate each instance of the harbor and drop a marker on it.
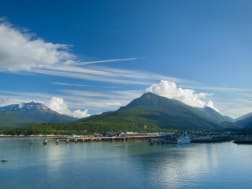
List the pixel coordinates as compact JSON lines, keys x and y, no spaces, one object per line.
{"x":200,"y":138}
{"x":152,"y":138}
{"x":155,"y":138}
{"x":115,"y":137}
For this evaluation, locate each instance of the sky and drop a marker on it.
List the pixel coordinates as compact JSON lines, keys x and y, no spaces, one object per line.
{"x":86,"y":57}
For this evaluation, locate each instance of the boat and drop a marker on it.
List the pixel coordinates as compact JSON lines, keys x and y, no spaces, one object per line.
{"x":171,"y":139}
{"x":184,"y":139}
{"x":74,"y":137}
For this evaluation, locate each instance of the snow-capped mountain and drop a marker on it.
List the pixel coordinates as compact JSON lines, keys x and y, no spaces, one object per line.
{"x":29,"y":113}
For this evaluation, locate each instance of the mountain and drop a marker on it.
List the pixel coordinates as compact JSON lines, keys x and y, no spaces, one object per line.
{"x":217,"y":117}
{"x":151,"y":111}
{"x":245,"y":121}
{"x":244,"y":117}
{"x":147,"y":113}
{"x":29,"y":113}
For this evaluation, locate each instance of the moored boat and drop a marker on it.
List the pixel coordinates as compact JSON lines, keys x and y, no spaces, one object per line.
{"x":184,"y":139}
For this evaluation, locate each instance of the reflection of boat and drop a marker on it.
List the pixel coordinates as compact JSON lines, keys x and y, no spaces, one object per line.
{"x":184,"y":139}
{"x":45,"y":142}
{"x":199,"y":139}
{"x":156,"y":141}
{"x":168,"y":139}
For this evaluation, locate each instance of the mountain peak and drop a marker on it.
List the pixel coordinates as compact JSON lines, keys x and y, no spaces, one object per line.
{"x":149,"y":94}
{"x":30,"y":113}
{"x":30,"y":106}
{"x":209,"y":109}
{"x":153,"y":111}
{"x":34,"y":106}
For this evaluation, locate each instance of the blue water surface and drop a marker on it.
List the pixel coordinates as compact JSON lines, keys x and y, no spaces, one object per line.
{"x":113,"y":165}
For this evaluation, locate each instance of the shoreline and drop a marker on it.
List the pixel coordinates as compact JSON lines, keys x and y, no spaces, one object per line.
{"x":140,"y":135}
{"x":30,"y":136}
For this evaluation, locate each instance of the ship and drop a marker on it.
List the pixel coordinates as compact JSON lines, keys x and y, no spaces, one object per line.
{"x":184,"y":139}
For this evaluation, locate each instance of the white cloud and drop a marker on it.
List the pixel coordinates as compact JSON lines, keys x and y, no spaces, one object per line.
{"x":101,"y":101}
{"x":105,"y":74}
{"x":188,"y":96}
{"x":94,"y":101}
{"x":211,"y":105}
{"x":21,"y":51}
{"x":107,"y":61}
{"x":58,"y":104}
{"x":65,"y":84}
{"x":55,"y":103}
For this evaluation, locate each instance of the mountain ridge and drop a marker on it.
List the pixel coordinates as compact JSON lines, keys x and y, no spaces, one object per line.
{"x":29,"y":113}
{"x":148,"y":113}
{"x":245,"y":121}
{"x":160,"y":112}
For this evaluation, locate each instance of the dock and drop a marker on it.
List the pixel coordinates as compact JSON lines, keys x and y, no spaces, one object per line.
{"x":243,"y":139}
{"x":211,"y":139}
{"x":101,"y":138}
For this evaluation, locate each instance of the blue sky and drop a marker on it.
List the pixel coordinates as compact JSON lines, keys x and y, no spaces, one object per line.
{"x":86,"y":57}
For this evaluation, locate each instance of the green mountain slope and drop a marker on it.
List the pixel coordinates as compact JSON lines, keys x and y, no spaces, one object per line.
{"x":151,"y":111}
{"x":148,"y":113}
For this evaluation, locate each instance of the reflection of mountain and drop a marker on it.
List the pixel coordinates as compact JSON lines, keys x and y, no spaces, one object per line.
{"x":174,"y":166}
{"x":189,"y":165}
{"x":134,"y":164}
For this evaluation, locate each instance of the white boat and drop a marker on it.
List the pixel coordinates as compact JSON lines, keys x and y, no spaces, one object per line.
{"x":72,"y":137}
{"x":184,"y":139}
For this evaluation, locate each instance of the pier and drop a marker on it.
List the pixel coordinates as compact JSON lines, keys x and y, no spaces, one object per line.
{"x":84,"y":139}
{"x":154,"y":138}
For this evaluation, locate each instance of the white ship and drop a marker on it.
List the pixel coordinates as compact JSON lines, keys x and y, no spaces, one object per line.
{"x":184,"y":139}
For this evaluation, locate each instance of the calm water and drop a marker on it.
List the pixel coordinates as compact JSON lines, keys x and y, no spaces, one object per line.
{"x":123,"y":165}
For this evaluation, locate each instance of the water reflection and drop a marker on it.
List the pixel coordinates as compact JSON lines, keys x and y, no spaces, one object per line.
{"x":133,"y":164}
{"x":173,"y":165}
{"x":190,"y":163}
